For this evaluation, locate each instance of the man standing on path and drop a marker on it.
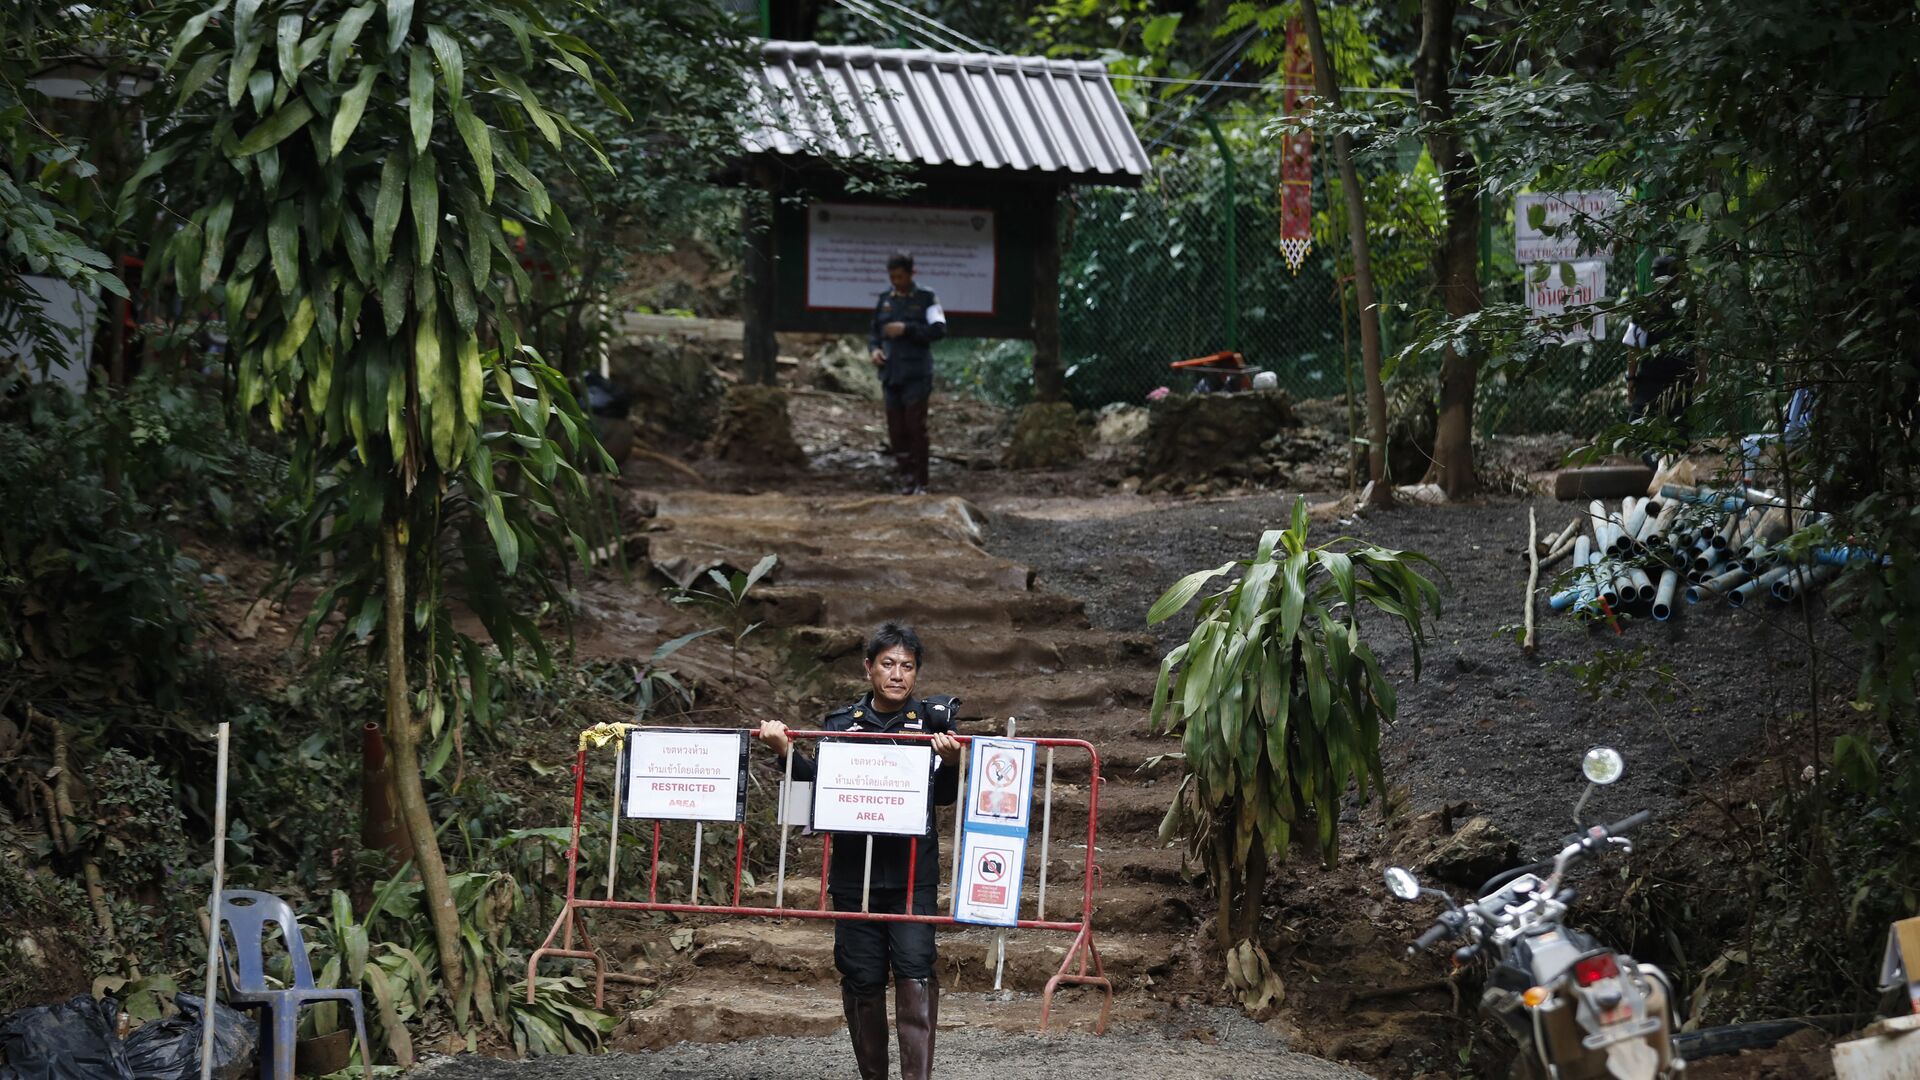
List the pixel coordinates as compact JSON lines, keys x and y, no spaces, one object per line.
{"x":865,"y":951}
{"x":906,"y":323}
{"x":1662,"y":369}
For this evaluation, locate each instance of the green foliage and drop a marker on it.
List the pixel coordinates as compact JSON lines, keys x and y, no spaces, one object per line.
{"x":1278,"y":701}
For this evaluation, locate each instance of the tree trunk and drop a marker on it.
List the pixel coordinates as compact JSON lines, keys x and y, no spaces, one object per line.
{"x":760,"y":351}
{"x":403,"y":734}
{"x":1328,"y":87}
{"x":1254,"y":877}
{"x":1049,"y":376}
{"x":1226,"y":883}
{"x":1456,"y":263}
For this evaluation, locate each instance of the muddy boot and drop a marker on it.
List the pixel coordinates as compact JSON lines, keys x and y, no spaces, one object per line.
{"x":867,"y":1027}
{"x":916,"y":1006}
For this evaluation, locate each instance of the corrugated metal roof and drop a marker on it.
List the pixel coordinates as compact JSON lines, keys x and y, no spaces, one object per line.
{"x":970,"y":110}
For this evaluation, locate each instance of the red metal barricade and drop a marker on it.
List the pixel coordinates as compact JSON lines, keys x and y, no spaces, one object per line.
{"x":1081,"y":966}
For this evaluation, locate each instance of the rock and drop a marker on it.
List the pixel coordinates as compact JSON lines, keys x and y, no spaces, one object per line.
{"x":1476,"y":851}
{"x":1193,"y":436}
{"x":1045,"y":435}
{"x":674,"y":388}
{"x":1120,"y":424}
{"x":754,"y":428}
{"x":845,"y":367}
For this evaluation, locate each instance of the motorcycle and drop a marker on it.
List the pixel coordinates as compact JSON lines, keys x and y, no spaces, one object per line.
{"x":1579,"y":1010}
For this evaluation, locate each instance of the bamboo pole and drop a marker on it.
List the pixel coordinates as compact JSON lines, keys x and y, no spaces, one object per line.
{"x":213,"y":908}
{"x":1533,"y":581}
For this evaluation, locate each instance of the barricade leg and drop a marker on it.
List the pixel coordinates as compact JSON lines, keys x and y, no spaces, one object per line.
{"x":563,"y":928}
{"x":1087,"y":954}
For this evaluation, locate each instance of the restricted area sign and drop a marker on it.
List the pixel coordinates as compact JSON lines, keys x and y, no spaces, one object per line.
{"x":1555,"y":290}
{"x":867,"y":787}
{"x":1537,"y":212}
{"x":687,"y":775}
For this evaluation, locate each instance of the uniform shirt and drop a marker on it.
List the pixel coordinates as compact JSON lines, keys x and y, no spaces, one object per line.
{"x":920,"y":716}
{"x":909,"y":356}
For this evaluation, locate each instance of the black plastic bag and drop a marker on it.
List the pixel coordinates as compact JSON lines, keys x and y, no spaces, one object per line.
{"x":75,"y":1040}
{"x":170,"y":1049}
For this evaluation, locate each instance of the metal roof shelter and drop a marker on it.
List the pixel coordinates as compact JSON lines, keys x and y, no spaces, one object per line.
{"x":990,"y":143}
{"x":965,"y":110}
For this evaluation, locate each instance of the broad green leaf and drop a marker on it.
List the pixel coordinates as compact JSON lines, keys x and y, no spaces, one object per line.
{"x":472,"y":381}
{"x":466,"y":313}
{"x":1196,"y":682}
{"x":347,"y":32}
{"x":399,"y":22}
{"x":242,"y":68}
{"x":295,"y":333}
{"x":387,"y":206}
{"x":452,"y":64}
{"x":283,"y":242}
{"x":423,"y":187}
{"x":1182,"y":593}
{"x":420,"y":99}
{"x":504,"y":540}
{"x":530,"y":103}
{"x":536,"y":191}
{"x":287,"y":47}
{"x":244,"y":13}
{"x":353,"y":235}
{"x":473,"y":132}
{"x":214,"y":248}
{"x":281,"y":124}
{"x":197,"y":76}
{"x":353,"y":104}
{"x":190,"y":33}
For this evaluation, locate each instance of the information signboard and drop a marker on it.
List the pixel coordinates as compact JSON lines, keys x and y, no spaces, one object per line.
{"x":848,"y":245}
{"x":1532,"y":244}
{"x":999,"y":809}
{"x":991,"y":868}
{"x":862,"y":786}
{"x":1552,"y":295}
{"x":686,"y":775}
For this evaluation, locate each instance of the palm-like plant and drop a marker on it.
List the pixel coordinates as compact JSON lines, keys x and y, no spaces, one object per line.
{"x":1279,"y":702}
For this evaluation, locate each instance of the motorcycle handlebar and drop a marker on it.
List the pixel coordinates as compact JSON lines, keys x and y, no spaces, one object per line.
{"x":1629,"y":823}
{"x":1434,"y":933}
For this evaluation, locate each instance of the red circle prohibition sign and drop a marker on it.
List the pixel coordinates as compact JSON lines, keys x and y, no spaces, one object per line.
{"x":991,"y":866}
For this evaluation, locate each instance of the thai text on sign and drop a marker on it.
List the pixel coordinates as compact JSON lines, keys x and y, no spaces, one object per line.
{"x":686,"y":775}
{"x":1531,"y":242}
{"x":1569,"y":287}
{"x":848,"y":245}
{"x":862,"y":786}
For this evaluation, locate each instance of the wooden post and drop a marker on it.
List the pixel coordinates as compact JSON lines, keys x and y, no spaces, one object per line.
{"x":1049,"y":376}
{"x":213,"y":905}
{"x":760,"y":352}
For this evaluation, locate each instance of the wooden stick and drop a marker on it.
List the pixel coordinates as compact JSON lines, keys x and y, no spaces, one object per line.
{"x":1533,"y":582}
{"x":213,"y":908}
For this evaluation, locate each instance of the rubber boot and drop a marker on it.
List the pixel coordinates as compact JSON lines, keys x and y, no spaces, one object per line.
{"x":867,"y":1027}
{"x":916,"y":1007}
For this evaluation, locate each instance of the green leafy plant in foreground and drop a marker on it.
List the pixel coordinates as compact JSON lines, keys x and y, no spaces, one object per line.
{"x":1278,"y":701}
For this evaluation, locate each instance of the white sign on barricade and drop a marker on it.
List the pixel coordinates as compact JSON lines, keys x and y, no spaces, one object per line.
{"x":686,"y":775}
{"x":999,"y":811}
{"x":865,"y":787}
{"x":991,"y":868}
{"x":848,"y":245}
{"x":1532,"y":244}
{"x":1552,"y":295}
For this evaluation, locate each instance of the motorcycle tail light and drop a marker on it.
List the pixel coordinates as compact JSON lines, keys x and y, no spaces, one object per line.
{"x":1594,"y":968}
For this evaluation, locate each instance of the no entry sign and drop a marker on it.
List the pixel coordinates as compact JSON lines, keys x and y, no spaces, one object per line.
{"x":994,"y":844}
{"x":991,"y":867}
{"x":687,"y":775}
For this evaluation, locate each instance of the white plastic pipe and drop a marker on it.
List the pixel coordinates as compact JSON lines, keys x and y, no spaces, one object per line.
{"x":1762,"y":585}
{"x":1636,"y":517}
{"x":1663,"y":600}
{"x":1642,"y":584}
{"x":1597,"y":514}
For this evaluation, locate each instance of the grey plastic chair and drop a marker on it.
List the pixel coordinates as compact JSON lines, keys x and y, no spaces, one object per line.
{"x":247,"y":915}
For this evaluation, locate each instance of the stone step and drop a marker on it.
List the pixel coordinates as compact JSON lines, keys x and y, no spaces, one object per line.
{"x":964,"y":655}
{"x":928,"y":609}
{"x":1133,"y":905}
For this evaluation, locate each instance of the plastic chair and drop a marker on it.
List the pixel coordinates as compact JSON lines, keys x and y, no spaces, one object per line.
{"x":247,"y":914}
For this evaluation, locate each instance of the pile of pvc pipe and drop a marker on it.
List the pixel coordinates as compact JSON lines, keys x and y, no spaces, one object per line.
{"x":1700,"y":543}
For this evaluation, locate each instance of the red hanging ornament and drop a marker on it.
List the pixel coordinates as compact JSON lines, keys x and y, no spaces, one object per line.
{"x":1296,"y":156}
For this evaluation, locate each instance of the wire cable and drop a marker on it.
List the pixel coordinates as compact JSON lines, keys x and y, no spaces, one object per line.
{"x":943,"y":28}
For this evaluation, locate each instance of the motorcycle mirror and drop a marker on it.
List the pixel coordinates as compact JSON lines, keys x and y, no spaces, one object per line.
{"x":1402,"y":883}
{"x":1603,"y":765}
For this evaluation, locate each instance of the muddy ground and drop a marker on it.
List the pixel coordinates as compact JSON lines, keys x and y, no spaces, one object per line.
{"x":1483,"y":724}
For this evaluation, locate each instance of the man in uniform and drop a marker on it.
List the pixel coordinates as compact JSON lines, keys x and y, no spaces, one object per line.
{"x":864,"y":951}
{"x":906,"y":323}
{"x":1662,"y":368}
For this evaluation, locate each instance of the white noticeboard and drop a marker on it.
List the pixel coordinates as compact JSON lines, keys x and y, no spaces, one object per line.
{"x":686,"y":775}
{"x":848,"y":245}
{"x":1000,"y":787}
{"x":991,"y":868}
{"x":1531,"y":244}
{"x":1551,"y":295}
{"x":861,"y":786}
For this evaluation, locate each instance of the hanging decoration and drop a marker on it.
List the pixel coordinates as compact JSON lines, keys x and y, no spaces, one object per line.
{"x":1296,"y":156}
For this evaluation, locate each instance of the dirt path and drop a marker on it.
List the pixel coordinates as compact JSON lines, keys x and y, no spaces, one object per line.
{"x":1213,"y":1045}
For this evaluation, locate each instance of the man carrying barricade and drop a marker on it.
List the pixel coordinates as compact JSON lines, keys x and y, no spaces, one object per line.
{"x":864,"y":950}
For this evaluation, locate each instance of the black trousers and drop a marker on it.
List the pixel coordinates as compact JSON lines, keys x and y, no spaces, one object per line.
{"x":866,"y":953}
{"x":1668,"y":401}
{"x":907,"y":428}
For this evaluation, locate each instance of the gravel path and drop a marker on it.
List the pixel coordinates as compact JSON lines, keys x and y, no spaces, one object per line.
{"x":1224,"y":1047}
